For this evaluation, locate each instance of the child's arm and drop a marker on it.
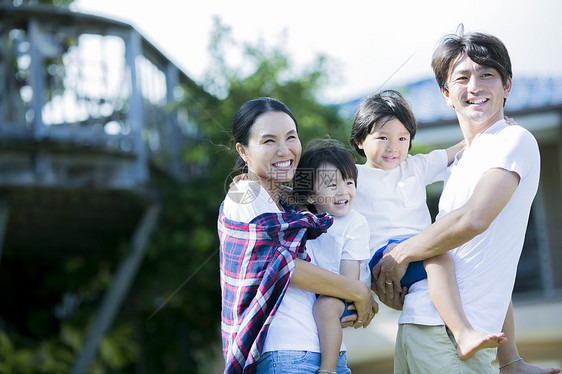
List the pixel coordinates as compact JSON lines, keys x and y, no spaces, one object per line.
{"x":350,"y":268}
{"x":453,"y":150}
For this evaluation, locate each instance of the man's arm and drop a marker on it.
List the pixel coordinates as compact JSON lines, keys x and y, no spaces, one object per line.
{"x":490,"y":196}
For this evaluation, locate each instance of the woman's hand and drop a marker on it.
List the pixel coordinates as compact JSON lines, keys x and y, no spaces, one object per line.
{"x":366,"y":307}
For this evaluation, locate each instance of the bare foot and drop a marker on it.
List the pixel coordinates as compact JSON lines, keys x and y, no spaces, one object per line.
{"x":473,"y":341}
{"x":521,"y":367}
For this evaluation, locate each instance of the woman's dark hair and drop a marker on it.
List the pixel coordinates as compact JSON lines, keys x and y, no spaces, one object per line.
{"x":484,"y":49}
{"x":245,"y":117}
{"x":318,"y":152}
{"x":380,"y":108}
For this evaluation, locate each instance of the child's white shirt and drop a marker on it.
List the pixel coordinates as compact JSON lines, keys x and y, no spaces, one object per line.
{"x":394,"y":201}
{"x":346,"y":239}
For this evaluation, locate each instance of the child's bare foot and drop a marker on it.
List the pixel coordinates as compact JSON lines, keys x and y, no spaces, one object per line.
{"x":473,"y":341}
{"x":521,"y":367}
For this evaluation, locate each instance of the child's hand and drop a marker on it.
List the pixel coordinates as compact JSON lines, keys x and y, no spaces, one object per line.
{"x":510,"y":121}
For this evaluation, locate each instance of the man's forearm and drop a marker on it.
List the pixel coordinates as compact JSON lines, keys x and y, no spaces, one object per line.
{"x":490,"y":196}
{"x":451,"y":231}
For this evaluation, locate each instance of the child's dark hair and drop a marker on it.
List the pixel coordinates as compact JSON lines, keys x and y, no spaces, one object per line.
{"x":316,"y":153}
{"x":380,"y":108}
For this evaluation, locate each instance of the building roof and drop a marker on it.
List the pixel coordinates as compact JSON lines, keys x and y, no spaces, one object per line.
{"x":429,"y":107}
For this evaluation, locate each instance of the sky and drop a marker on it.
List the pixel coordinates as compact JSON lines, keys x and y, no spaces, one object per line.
{"x":371,"y":44}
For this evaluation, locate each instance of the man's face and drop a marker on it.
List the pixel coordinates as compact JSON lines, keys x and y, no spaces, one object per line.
{"x":476,"y":92}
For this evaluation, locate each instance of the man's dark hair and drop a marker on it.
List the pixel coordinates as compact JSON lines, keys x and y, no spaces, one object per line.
{"x":484,"y":49}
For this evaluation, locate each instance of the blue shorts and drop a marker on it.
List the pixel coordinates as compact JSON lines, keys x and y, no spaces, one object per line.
{"x":414,"y":273}
{"x":346,"y":312}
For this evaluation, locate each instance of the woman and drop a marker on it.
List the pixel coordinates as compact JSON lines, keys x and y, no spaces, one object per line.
{"x":268,"y":284}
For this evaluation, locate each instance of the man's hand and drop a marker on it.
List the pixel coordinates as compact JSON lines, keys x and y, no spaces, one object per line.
{"x":394,"y":302}
{"x":388,"y":274}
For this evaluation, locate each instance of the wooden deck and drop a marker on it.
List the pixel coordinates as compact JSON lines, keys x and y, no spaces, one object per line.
{"x":88,"y":111}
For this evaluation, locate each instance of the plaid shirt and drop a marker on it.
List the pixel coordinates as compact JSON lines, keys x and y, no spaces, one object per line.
{"x":257,"y":263}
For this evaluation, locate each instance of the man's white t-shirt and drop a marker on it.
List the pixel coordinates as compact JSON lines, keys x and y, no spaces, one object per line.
{"x":486,"y":265}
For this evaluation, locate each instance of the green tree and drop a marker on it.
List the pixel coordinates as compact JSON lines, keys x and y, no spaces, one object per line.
{"x":170,"y":321}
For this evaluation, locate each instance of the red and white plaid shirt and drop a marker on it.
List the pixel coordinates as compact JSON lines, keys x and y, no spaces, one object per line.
{"x":257,"y":263}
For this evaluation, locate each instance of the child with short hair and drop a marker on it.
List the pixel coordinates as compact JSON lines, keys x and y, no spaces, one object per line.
{"x":325,"y":182}
{"x":391,"y":195}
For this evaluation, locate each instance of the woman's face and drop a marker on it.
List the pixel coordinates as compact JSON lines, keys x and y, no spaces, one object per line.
{"x":273,"y":149}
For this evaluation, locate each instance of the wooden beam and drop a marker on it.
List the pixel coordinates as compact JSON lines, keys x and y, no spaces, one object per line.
{"x":4,"y":213}
{"x":114,"y":296}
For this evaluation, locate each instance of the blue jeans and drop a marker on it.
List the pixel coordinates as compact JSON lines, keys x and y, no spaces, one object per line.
{"x":296,"y":362}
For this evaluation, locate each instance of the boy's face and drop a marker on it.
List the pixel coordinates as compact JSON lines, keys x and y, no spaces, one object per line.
{"x":387,"y":145}
{"x":332,"y":193}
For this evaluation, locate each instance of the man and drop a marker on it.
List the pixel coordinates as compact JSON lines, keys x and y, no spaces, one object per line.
{"x":483,"y":215}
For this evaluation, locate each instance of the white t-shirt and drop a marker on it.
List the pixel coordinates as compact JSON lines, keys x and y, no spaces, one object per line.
{"x":346,"y":239}
{"x":394,"y":201}
{"x":293,"y":326}
{"x":486,"y":265}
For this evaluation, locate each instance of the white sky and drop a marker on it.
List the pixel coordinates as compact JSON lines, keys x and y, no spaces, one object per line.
{"x":367,"y":40}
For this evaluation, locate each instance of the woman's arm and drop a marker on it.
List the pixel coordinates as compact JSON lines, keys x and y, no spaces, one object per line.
{"x":311,"y":278}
